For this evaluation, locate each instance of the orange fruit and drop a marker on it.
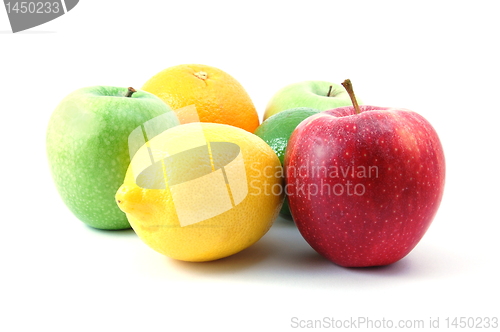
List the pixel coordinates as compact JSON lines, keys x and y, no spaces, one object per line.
{"x":202,"y":191}
{"x":218,"y":97}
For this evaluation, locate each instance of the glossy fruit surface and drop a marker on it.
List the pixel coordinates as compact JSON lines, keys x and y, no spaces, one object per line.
{"x":218,"y":97}
{"x":88,"y":152}
{"x":321,"y":95}
{"x":276,"y":132}
{"x":364,"y":188}
{"x":208,"y":195}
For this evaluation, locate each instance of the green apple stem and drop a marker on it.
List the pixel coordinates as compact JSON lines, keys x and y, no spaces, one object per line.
{"x":348,"y":86}
{"x":130,"y":92}
{"x":329,"y":91}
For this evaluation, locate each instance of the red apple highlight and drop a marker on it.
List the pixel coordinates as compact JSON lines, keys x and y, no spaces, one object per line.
{"x":364,"y":182}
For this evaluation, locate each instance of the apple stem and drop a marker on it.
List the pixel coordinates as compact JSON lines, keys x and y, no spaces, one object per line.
{"x":130,"y":92}
{"x":329,"y":91}
{"x":348,"y":86}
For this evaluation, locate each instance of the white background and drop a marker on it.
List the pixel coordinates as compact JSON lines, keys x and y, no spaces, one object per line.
{"x":438,"y":58}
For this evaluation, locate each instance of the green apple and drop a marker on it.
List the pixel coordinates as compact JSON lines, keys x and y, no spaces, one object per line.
{"x":88,"y":149}
{"x":319,"y":95}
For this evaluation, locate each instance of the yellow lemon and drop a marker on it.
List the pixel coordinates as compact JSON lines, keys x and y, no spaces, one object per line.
{"x":202,"y":191}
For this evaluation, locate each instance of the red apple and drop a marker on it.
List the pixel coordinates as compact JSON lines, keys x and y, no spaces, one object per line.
{"x":364,"y":182}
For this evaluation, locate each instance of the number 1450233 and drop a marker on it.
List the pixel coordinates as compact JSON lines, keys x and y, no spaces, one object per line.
{"x":33,"y":7}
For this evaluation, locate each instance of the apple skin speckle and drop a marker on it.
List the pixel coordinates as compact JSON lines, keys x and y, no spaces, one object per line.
{"x":87,"y":149}
{"x":378,"y":183}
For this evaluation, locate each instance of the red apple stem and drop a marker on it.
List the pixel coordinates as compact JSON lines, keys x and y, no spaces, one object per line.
{"x":348,"y":86}
{"x":130,"y":92}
